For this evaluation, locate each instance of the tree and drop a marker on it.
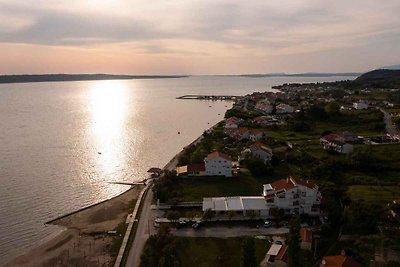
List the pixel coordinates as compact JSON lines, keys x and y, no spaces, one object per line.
{"x":208,"y":214}
{"x":294,"y":242}
{"x":332,"y":108}
{"x":249,"y":253}
{"x":230,"y":214}
{"x":277,"y":214}
{"x":173,"y":215}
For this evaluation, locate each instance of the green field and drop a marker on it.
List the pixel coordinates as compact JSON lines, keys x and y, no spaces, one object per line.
{"x":195,"y":188}
{"x":209,"y":252}
{"x":374,"y":193}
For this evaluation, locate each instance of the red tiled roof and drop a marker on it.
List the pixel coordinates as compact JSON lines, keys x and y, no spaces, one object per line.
{"x":233,"y":120}
{"x":260,"y":119}
{"x":291,"y":182}
{"x":339,"y":261}
{"x":334,"y":138}
{"x":305,"y":235}
{"x":303,"y":183}
{"x":282,"y":255}
{"x":255,"y":132}
{"x":242,"y":130}
{"x":283,"y":184}
{"x":216,"y":154}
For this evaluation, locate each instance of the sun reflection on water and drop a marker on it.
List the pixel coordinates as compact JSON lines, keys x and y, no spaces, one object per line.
{"x":109,"y":109}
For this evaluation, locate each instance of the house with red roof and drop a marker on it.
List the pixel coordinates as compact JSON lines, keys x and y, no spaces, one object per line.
{"x":255,"y":135}
{"x":277,"y":255}
{"x":336,"y":142}
{"x":259,"y":151}
{"x":218,"y":164}
{"x":339,"y":261}
{"x":232,"y":123}
{"x":293,"y":196}
{"x":192,"y":169}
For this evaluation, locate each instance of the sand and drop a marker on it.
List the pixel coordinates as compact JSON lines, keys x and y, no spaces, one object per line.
{"x":85,"y":241}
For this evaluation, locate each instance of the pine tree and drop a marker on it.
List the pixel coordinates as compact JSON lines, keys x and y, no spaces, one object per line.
{"x":294,"y":242}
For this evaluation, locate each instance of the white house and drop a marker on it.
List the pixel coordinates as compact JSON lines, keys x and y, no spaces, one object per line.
{"x":264,"y":106}
{"x":218,"y":164}
{"x":284,"y":109}
{"x":232,"y":123}
{"x":255,"y":135}
{"x":258,"y":150}
{"x":293,"y":196}
{"x":336,"y":142}
{"x":360,"y":105}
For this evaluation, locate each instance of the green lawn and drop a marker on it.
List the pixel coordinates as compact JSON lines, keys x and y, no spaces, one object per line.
{"x":374,"y":193}
{"x":209,"y":252}
{"x":195,"y":188}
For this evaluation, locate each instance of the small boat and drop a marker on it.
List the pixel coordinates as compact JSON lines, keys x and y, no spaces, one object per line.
{"x":99,"y":153}
{"x":179,"y":132}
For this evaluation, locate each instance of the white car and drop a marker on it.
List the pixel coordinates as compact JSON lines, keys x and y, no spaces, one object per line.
{"x":267,"y":224}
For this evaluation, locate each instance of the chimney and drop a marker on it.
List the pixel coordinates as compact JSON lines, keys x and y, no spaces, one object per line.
{"x":307,"y":181}
{"x":323,"y":262}
{"x":287,"y":180}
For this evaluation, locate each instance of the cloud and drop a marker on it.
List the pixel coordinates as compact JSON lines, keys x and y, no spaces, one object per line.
{"x":202,"y":28}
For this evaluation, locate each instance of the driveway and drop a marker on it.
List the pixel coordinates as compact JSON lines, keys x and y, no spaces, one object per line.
{"x":225,"y":232}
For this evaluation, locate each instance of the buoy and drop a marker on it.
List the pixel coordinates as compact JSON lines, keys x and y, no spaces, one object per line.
{"x":179,"y":132}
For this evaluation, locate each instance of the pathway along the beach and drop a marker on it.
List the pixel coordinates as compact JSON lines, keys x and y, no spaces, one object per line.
{"x":144,"y":230}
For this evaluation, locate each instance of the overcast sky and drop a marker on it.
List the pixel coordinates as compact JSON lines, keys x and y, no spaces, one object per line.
{"x":198,"y":37}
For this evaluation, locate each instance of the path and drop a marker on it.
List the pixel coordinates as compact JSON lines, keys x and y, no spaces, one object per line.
{"x":144,"y":230}
{"x":390,"y":128}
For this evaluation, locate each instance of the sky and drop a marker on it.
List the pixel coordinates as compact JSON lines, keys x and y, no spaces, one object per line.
{"x":198,"y":37}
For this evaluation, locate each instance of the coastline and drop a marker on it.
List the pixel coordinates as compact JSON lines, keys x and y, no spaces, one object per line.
{"x":77,"y":226}
{"x":83,"y":237}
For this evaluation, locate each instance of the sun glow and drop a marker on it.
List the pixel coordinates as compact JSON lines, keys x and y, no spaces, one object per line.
{"x":109,"y":107}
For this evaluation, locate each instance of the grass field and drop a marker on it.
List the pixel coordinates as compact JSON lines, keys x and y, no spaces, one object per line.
{"x":374,"y":193}
{"x":195,"y":188}
{"x":209,"y":252}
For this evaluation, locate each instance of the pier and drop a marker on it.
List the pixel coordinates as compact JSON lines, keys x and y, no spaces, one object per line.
{"x":209,"y":97}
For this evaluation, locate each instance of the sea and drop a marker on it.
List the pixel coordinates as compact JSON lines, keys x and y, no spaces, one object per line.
{"x":62,"y":143}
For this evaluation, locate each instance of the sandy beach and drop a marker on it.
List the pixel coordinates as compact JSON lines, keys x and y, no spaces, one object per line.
{"x":85,"y":241}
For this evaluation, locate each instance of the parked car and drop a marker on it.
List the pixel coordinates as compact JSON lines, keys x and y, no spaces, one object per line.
{"x":278,"y":242}
{"x":267,"y":224}
{"x":196,"y":225}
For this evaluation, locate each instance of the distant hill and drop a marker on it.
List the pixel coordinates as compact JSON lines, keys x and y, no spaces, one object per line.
{"x":381,"y":78}
{"x":393,"y":67}
{"x":308,"y":74}
{"x":27,"y":78}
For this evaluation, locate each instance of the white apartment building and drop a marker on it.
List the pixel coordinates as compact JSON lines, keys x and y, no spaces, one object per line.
{"x":218,"y":164}
{"x":293,"y":196}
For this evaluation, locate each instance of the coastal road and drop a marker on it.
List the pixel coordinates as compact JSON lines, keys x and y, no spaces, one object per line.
{"x":144,"y":230}
{"x":225,"y":232}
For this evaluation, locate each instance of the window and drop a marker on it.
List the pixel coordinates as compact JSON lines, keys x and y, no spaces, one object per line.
{"x":270,"y":200}
{"x":304,"y":194}
{"x":295,"y":203}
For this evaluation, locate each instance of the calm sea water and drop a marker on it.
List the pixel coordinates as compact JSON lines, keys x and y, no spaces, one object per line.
{"x":61,"y":143}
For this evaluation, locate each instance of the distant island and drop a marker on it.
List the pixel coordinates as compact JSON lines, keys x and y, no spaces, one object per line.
{"x":380,"y":78}
{"x":31,"y":78}
{"x":308,"y":74}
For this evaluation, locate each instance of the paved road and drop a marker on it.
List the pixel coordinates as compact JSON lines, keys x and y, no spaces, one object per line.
{"x":224,"y":232}
{"x":390,"y":128}
{"x":144,"y":230}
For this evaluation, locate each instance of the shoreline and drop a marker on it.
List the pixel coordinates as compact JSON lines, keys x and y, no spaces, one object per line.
{"x":83,"y":235}
{"x":51,"y":247}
